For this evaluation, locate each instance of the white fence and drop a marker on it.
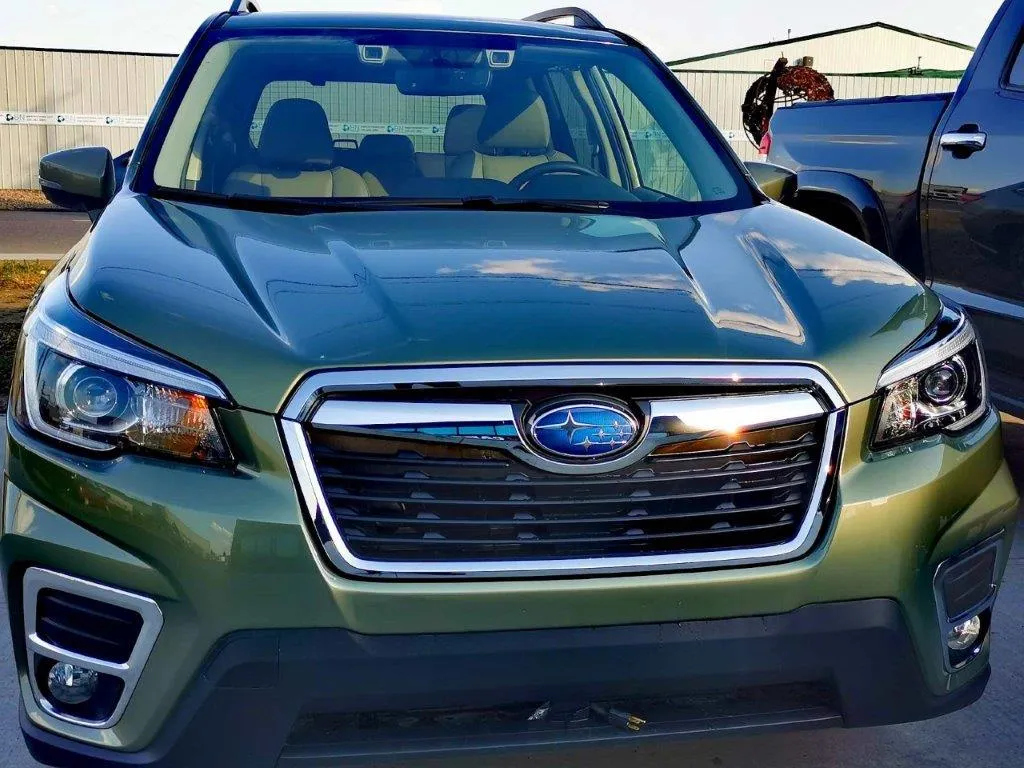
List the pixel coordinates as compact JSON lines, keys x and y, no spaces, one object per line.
{"x":51,"y":100}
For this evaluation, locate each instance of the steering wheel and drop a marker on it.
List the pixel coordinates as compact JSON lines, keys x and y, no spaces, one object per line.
{"x":544,"y":169}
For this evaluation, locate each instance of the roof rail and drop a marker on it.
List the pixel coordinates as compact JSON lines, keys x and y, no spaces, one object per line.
{"x":243,"y":6}
{"x":580,"y":17}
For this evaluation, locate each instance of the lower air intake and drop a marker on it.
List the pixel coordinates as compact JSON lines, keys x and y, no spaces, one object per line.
{"x":87,"y":627}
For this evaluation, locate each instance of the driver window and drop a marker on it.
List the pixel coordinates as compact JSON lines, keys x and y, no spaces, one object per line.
{"x":659,"y":163}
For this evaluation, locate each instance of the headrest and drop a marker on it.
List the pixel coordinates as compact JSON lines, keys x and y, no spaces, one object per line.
{"x":516,"y":120}
{"x":296,"y":136}
{"x":390,"y":144}
{"x":460,"y":130}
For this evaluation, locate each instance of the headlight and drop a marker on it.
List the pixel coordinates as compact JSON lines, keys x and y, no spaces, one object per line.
{"x":938,"y":385}
{"x":87,"y":386}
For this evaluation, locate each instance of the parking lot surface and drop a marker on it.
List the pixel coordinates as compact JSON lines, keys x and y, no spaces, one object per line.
{"x":39,"y":234}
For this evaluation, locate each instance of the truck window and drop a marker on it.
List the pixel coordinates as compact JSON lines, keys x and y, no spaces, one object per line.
{"x":1016,"y":78}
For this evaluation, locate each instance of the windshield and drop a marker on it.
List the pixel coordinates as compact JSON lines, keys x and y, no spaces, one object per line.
{"x":431,"y":117}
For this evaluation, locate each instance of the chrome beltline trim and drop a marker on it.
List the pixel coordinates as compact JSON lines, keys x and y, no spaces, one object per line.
{"x":38,"y":579}
{"x":303,"y":404}
{"x":306,"y":395}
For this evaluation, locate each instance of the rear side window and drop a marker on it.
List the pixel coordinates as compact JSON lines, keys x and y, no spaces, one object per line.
{"x":1017,"y":71}
{"x":357,"y":110}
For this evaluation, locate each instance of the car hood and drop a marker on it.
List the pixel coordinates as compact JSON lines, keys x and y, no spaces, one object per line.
{"x":260,"y":300}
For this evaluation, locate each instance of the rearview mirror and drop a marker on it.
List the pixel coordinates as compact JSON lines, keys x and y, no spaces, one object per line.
{"x":442,"y":81}
{"x":78,"y":179}
{"x":775,"y":181}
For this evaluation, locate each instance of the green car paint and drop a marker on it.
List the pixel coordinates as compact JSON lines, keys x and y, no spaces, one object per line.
{"x":252,"y":563}
{"x":444,"y":287}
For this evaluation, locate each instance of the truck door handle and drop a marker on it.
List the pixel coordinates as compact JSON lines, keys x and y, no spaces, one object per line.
{"x":964,"y":143}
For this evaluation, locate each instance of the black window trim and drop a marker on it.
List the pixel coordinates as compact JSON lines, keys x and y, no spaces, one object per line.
{"x":1015,"y":58}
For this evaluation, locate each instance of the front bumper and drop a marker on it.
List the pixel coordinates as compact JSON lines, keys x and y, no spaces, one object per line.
{"x":841,"y":663}
{"x":232,"y":566}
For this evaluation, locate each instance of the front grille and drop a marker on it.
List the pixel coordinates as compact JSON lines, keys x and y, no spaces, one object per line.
{"x":396,"y":499}
{"x":87,"y":627}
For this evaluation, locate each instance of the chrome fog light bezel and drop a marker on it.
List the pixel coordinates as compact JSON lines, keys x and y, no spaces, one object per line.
{"x":35,"y":581}
{"x":954,"y":661}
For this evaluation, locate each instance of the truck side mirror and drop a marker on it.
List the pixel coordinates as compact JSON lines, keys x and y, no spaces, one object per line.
{"x":775,"y":181}
{"x":78,"y":179}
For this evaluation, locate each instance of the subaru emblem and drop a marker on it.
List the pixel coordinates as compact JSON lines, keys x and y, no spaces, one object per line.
{"x":584,"y":430}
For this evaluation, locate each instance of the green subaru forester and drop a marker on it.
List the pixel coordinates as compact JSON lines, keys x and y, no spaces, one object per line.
{"x":439,"y":385}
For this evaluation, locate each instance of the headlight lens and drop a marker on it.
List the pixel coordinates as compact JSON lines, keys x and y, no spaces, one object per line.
{"x":87,"y":386}
{"x":939,"y":385}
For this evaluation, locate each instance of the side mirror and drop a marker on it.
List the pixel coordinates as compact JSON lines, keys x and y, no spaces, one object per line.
{"x":78,"y":179}
{"x":775,"y":181}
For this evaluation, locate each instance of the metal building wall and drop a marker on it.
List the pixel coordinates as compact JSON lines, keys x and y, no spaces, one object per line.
{"x":70,"y":84}
{"x":876,"y":49}
{"x":721,"y":94}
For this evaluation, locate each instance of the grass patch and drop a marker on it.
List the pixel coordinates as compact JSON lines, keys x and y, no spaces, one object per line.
{"x":19,"y":280}
{"x":18,"y":283}
{"x":24,"y":200}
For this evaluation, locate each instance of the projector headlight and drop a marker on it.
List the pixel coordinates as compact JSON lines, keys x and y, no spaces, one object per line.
{"x":938,"y":385}
{"x":87,"y":386}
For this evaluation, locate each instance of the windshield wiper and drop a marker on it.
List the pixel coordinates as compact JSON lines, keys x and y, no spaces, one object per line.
{"x":308,"y":205}
{"x":488,"y":202}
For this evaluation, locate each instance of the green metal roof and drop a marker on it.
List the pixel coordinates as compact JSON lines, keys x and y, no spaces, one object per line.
{"x":830,"y":33}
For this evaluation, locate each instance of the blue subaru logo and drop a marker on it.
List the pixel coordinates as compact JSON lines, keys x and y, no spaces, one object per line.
{"x":584,"y":430}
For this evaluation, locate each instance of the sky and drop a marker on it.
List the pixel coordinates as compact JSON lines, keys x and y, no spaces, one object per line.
{"x":672,"y":28}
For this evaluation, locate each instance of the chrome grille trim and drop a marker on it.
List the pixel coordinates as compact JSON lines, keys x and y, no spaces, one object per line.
{"x":357,"y":413}
{"x":306,"y":407}
{"x":307,"y":395}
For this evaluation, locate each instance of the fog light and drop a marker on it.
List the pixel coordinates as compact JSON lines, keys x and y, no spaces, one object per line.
{"x":964,"y":636}
{"x":70,"y":684}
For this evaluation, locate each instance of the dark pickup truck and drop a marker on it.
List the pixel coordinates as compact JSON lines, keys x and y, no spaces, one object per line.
{"x":937,"y":183}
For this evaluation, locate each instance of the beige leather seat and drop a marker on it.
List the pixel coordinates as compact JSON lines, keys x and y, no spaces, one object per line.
{"x":388,"y":159}
{"x":459,"y":138}
{"x":514,"y":135}
{"x":460,"y":132}
{"x":295,"y":157}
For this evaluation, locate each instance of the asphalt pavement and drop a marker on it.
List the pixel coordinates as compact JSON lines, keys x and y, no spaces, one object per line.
{"x":990,"y":734}
{"x":39,"y":234}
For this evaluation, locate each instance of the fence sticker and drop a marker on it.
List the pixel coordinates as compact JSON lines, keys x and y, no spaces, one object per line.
{"x":53,"y":118}
{"x":338,"y":128}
